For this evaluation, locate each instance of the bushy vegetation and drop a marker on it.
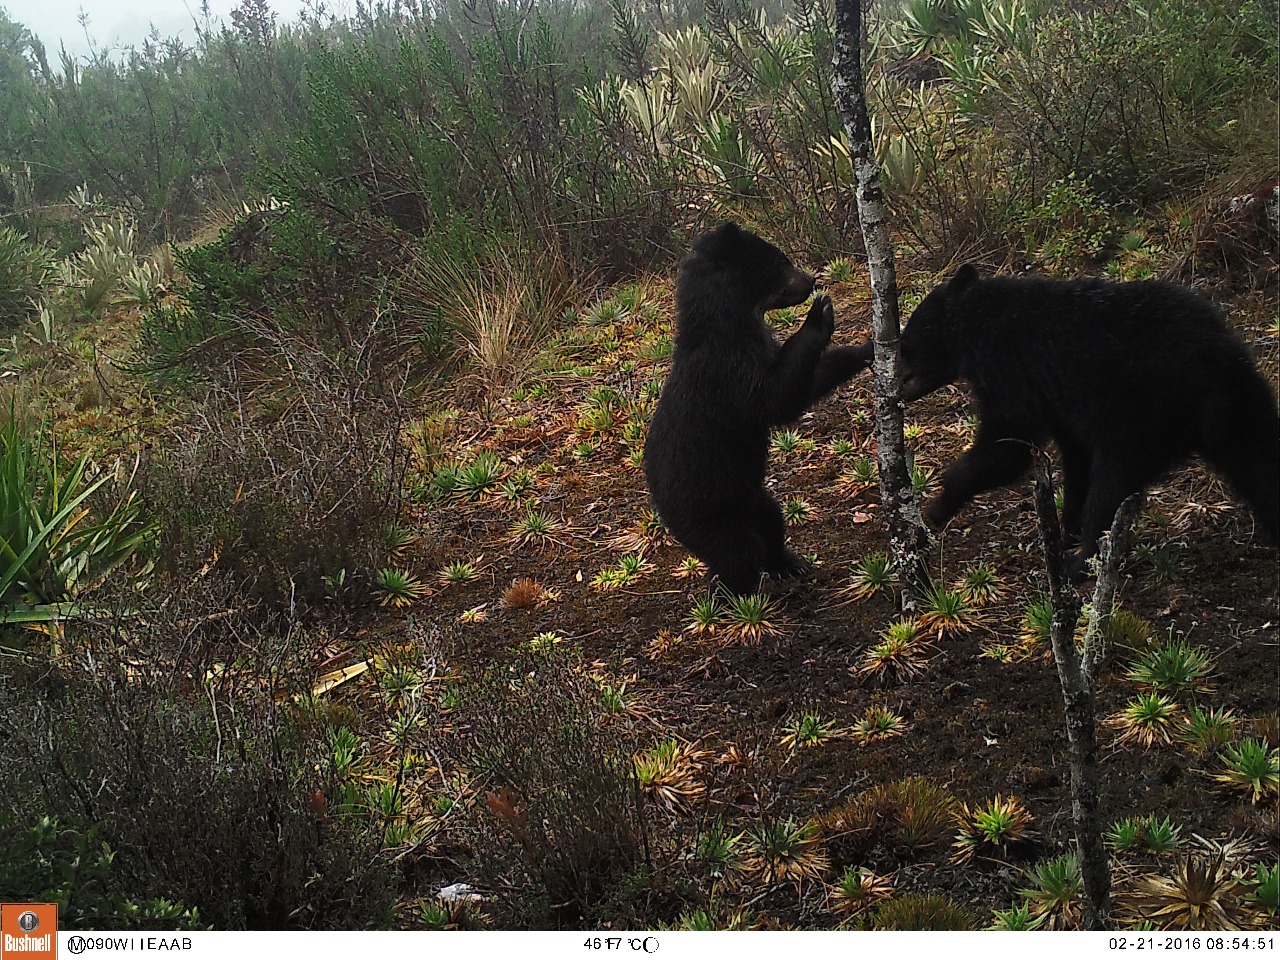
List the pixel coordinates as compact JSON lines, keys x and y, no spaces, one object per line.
{"x":327,"y":578}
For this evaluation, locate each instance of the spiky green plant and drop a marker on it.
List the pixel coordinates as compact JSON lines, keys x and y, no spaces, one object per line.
{"x":344,"y":752}
{"x":517,"y":486}
{"x":871,"y":574}
{"x":546,"y":642}
{"x":717,"y":849}
{"x":787,"y":850}
{"x":605,"y":396}
{"x":1201,"y":893}
{"x":585,"y":450}
{"x":399,"y":681}
{"x":857,"y":889}
{"x":945,"y":612}
{"x":667,"y":773}
{"x":1162,"y":835}
{"x":1017,"y":917}
{"x":479,"y":476}
{"x":457,"y":572}
{"x":1208,"y":729}
{"x":878,"y":723}
{"x":43,"y":330}
{"x":797,"y":510}
{"x":752,"y":617}
{"x":94,"y":274}
{"x":632,"y":566}
{"x":707,"y":613}
{"x":608,"y":580}
{"x":980,"y":584}
{"x":993,"y":827}
{"x":397,"y":538}
{"x":689,"y":567}
{"x":786,"y":442}
{"x":1165,"y":562}
{"x":24,"y":269}
{"x":1037,"y":622}
{"x":606,"y":312}
{"x":595,"y":421}
{"x":1174,"y":666}
{"x":534,"y":527}
{"x":900,"y":654}
{"x":143,"y":283}
{"x":1126,"y":834}
{"x":398,"y":588}
{"x":1055,"y":891}
{"x":1149,"y":719}
{"x":434,"y":915}
{"x":922,"y":478}
{"x":840,"y":270}
{"x":53,"y":548}
{"x":633,"y":433}
{"x":864,"y":470}
{"x":1264,"y":887}
{"x":807,"y":730}
{"x":444,"y":482}
{"x":655,"y":348}
{"x":1251,"y":767}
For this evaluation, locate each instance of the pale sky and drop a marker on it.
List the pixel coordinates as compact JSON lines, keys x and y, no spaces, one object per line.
{"x":113,"y":22}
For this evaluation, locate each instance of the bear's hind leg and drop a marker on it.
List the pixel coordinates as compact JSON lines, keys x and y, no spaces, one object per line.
{"x":1251,"y":465}
{"x":1113,"y":480}
{"x":733,"y":550}
{"x":772,"y":528}
{"x":1077,"y":462}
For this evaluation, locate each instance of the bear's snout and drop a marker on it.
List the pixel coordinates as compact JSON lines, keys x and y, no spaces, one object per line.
{"x":796,"y":289}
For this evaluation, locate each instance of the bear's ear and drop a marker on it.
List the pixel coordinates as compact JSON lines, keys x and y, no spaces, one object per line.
{"x":728,"y":234}
{"x":721,"y":244}
{"x":963,"y":279}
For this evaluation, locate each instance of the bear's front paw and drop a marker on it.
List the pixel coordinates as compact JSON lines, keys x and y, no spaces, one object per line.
{"x":788,"y":565}
{"x":1076,"y":567}
{"x":937,"y":513}
{"x":822,"y":317}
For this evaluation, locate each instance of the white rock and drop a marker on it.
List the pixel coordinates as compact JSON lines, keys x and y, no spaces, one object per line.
{"x":458,"y":893}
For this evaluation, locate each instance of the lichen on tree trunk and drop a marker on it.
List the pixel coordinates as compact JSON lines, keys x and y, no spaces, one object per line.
{"x":908,"y":538}
{"x":1078,"y":675}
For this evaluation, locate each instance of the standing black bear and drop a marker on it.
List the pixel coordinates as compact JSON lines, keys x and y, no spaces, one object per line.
{"x":1128,"y":379}
{"x":730,"y":382}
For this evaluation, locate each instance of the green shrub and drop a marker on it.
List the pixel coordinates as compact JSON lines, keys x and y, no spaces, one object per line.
{"x":163,"y":777}
{"x":56,"y":542}
{"x":562,"y":824}
{"x":51,"y":862}
{"x":280,"y":503}
{"x":1139,"y":98}
{"x":24,"y":268}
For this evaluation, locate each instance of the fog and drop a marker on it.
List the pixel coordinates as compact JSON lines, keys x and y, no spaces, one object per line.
{"x":112,"y":23}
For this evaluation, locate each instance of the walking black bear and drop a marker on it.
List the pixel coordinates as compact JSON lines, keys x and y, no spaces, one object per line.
{"x":1128,"y":379}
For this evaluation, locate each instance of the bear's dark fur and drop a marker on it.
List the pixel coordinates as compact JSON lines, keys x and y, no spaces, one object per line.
{"x":1128,"y":379}
{"x":730,"y":382}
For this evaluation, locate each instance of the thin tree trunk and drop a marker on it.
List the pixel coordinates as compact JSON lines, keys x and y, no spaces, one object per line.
{"x":908,"y":538}
{"x":1078,"y":675}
